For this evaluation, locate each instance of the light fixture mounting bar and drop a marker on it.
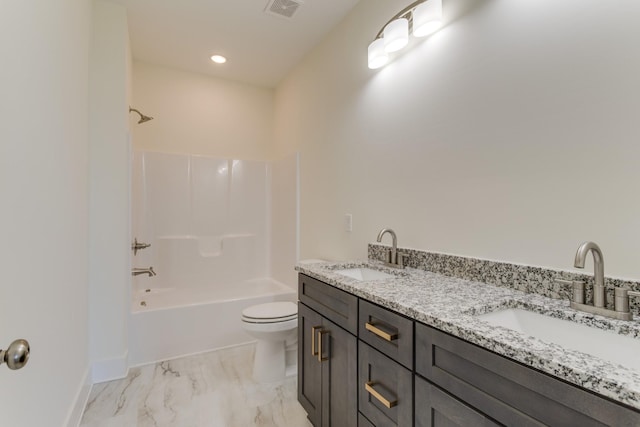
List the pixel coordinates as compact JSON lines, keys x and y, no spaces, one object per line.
{"x":400,"y":14}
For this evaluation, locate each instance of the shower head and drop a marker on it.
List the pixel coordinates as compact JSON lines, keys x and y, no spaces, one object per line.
{"x":143,"y":118}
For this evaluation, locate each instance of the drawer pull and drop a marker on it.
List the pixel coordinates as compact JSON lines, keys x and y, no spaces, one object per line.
{"x":320,"y":335}
{"x":379,"y":332}
{"x":314,"y":352}
{"x":369,"y":387}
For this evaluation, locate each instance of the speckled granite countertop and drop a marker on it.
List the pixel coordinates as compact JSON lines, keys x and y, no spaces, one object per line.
{"x":450,"y":304}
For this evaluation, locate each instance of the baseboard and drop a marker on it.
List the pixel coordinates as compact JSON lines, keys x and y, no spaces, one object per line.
{"x":110,"y":369}
{"x":75,"y":414}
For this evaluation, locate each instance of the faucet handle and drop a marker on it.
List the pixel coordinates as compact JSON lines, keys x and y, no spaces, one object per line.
{"x":621,"y":301}
{"x":401,"y":258}
{"x":577,"y":287}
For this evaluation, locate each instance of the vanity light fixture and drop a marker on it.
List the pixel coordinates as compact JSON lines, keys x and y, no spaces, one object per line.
{"x":218,"y":59}
{"x":423,"y":16}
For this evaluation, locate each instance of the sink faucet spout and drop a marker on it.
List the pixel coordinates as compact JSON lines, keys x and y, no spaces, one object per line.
{"x":598,"y":264}
{"x":394,"y":243}
{"x":394,"y":259}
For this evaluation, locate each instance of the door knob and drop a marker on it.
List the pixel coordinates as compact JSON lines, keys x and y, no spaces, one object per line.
{"x":16,"y":355}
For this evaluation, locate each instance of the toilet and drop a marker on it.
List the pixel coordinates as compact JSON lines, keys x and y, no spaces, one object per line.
{"x":275,"y":326}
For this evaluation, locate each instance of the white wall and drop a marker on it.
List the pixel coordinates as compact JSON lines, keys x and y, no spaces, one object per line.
{"x":198,"y":114}
{"x":44,"y":47}
{"x":512,"y":134}
{"x":284,"y":219}
{"x":109,"y":249}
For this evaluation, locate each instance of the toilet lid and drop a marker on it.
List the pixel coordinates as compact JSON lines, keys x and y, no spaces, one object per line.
{"x":270,"y":312}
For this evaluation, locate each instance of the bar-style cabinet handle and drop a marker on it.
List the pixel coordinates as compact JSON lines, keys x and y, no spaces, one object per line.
{"x":320,"y":335}
{"x":379,"y":332}
{"x":314,"y":352}
{"x":368,"y":386}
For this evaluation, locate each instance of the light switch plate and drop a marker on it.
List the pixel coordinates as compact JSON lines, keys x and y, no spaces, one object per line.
{"x":348,"y":222}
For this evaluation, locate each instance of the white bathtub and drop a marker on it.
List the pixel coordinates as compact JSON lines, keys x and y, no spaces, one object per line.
{"x":175,"y":322}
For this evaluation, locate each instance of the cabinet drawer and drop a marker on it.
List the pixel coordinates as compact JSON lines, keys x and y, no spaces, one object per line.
{"x":385,"y":389}
{"x":338,"y":306}
{"x":435,"y":408}
{"x":386,"y":331}
{"x":507,"y":391}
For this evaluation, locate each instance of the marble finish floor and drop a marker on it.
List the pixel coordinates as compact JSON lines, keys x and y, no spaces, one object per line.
{"x":210,"y":389}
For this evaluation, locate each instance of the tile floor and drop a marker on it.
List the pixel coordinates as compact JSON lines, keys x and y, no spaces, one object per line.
{"x":211,"y":389}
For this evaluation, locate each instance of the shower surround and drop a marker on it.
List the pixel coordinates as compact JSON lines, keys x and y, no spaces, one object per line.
{"x":208,"y":222}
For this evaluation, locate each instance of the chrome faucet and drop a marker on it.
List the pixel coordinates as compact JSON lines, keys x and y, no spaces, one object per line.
{"x":621,"y":301}
{"x":139,"y":271}
{"x":394,"y":259}
{"x":599,"y":299}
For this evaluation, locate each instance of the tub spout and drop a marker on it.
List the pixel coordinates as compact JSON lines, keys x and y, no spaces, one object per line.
{"x":138,"y":271}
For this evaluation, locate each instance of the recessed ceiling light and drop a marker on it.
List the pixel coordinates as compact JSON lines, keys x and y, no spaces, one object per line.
{"x":218,"y":59}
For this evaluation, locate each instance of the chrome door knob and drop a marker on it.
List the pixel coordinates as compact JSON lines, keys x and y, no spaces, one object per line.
{"x":16,"y":355}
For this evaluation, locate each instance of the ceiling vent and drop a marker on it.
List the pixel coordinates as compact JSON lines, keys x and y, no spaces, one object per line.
{"x":283,"y":8}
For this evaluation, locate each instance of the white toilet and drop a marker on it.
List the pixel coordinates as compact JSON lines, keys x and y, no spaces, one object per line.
{"x":275,"y":326}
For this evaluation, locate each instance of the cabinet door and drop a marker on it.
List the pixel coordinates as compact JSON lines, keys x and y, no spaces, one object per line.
{"x":435,"y":408}
{"x":339,"y":376}
{"x":309,"y":367}
{"x":385,"y":388}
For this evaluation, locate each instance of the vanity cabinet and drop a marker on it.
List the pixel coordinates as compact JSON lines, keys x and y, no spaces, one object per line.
{"x":363,"y":365}
{"x":506,"y":391}
{"x":327,"y":354}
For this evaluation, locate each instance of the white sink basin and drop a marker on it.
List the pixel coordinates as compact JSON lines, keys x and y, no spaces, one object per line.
{"x":364,"y":273}
{"x":606,"y":345}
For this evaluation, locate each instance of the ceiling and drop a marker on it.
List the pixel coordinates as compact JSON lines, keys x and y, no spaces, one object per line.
{"x":261,"y":48}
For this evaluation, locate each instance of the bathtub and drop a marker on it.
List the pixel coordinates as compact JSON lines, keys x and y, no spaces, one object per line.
{"x":173,"y":322}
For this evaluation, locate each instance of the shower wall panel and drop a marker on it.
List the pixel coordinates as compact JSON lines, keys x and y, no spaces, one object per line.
{"x":206,"y":219}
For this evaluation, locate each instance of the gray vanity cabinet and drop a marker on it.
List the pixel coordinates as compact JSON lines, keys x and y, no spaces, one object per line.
{"x":362,"y":365}
{"x":506,"y":391}
{"x":327,"y":354}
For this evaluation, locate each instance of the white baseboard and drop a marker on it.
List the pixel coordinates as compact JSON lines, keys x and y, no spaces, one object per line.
{"x":110,"y":369}
{"x":75,"y":414}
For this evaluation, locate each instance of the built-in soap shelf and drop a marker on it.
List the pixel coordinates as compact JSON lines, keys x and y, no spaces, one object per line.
{"x":209,"y":246}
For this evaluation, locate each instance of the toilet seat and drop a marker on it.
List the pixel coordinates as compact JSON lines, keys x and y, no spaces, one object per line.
{"x":272,"y":312}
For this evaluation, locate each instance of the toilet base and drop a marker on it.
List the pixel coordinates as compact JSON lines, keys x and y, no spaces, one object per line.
{"x":291,"y":370}
{"x":269,"y":361}
{"x":274,"y":361}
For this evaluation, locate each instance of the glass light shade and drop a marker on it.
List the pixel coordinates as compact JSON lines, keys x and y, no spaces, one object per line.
{"x":427,"y":18}
{"x":396,"y":35}
{"x":377,"y":56}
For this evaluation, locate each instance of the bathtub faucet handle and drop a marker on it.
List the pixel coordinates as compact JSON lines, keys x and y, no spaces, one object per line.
{"x":137,"y":246}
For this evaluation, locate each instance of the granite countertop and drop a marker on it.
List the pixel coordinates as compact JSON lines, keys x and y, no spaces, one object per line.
{"x":450,"y":304}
